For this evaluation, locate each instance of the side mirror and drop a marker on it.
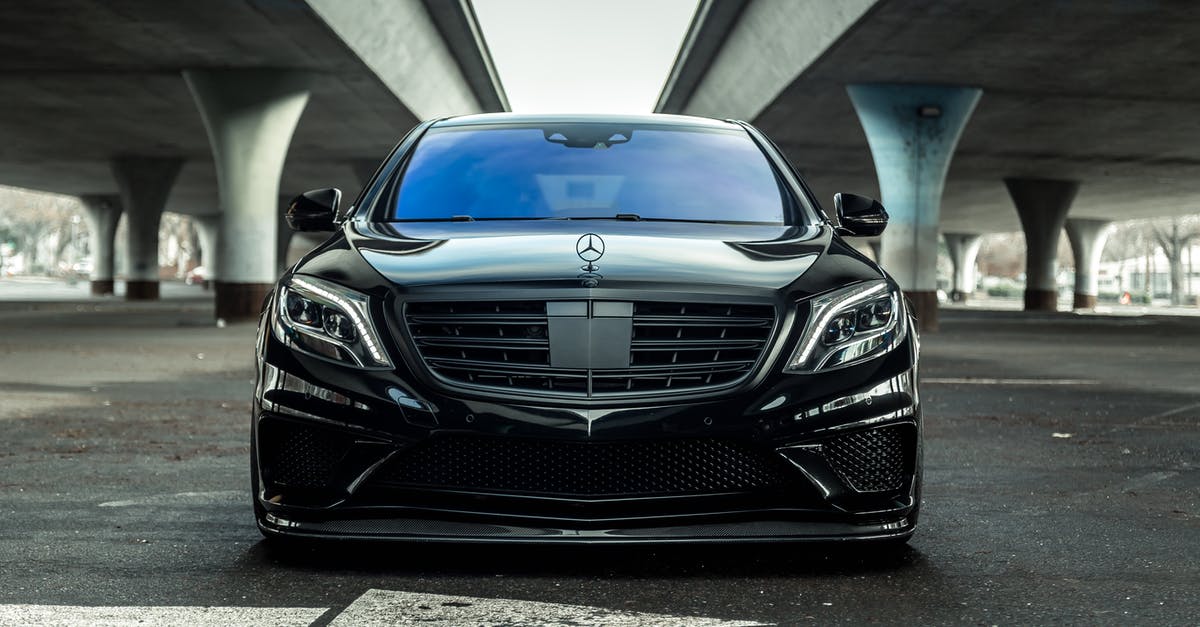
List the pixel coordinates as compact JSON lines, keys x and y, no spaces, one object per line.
{"x":314,"y":210}
{"x":859,"y":215}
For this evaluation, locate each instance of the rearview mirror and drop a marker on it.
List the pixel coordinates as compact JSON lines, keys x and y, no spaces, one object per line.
{"x":314,"y":210}
{"x":859,"y":215}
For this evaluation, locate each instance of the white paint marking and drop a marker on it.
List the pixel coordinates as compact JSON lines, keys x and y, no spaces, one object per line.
{"x":1149,"y":419}
{"x":75,"y":615}
{"x":223,"y":497}
{"x":387,"y":607}
{"x":987,"y":381}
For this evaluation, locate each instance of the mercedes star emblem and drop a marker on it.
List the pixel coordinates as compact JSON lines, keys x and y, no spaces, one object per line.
{"x":590,"y":247}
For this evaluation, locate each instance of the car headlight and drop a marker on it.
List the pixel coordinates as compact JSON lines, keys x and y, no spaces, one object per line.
{"x":328,"y":320}
{"x":849,"y":326}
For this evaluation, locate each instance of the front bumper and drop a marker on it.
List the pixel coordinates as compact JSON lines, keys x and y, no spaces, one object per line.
{"x":383,"y":455}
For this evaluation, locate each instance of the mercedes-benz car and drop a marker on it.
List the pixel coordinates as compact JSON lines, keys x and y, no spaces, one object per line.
{"x":586,"y":329}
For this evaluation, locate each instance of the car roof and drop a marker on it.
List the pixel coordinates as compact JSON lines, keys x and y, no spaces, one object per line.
{"x":567,"y":118}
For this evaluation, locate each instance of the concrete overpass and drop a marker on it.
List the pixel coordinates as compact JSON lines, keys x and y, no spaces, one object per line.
{"x":1082,"y":110}
{"x":126,"y":102}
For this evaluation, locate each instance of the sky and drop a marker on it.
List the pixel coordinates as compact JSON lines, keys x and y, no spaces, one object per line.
{"x":583,"y":56}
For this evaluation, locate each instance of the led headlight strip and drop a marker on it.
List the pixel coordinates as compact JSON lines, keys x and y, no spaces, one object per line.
{"x":874,"y":302}
{"x":365,"y":348}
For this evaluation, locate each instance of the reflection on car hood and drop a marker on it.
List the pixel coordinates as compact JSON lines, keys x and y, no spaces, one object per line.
{"x":634,"y":253}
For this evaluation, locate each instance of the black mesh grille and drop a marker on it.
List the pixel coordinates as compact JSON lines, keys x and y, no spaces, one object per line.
{"x":298,"y":456}
{"x":875,"y":460}
{"x":674,"y":346}
{"x":585,"y":469}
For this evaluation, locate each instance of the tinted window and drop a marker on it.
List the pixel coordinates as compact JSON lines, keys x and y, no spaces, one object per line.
{"x":589,"y":170}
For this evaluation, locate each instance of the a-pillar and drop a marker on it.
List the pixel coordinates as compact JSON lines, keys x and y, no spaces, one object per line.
{"x":103,"y":211}
{"x":963,"y":248}
{"x":912,"y":131}
{"x":145,"y":184}
{"x":1088,"y":236}
{"x":250,"y":116}
{"x":1042,"y":205}
{"x":208,"y":230}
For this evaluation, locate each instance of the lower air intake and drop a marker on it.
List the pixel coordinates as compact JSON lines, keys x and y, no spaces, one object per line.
{"x":586,"y":469}
{"x":875,"y":460}
{"x":298,"y":456}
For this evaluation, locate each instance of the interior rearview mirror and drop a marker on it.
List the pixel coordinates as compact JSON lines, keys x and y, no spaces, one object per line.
{"x":859,"y":215}
{"x":315,"y":210}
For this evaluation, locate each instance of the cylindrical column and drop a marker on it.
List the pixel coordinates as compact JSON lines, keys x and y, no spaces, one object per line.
{"x":876,"y":246}
{"x":145,"y":183}
{"x":103,"y":211}
{"x":250,"y":116}
{"x":912,"y":131}
{"x":208,"y":230}
{"x":963,"y":248}
{"x":364,"y":168}
{"x":283,"y":235}
{"x":1042,"y":205}
{"x":1087,"y":236}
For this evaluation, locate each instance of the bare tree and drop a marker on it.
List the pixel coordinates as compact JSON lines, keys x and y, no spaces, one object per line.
{"x":1173,"y":236}
{"x":39,"y":226}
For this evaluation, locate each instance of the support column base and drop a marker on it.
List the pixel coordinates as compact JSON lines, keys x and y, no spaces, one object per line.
{"x":1085,"y":301}
{"x":102,"y":287}
{"x":141,"y":290}
{"x":925,"y":308}
{"x":1041,"y":300}
{"x":959,"y":297}
{"x":240,"y":301}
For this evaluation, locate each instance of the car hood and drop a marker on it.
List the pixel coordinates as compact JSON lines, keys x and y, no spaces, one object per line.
{"x":635,"y":254}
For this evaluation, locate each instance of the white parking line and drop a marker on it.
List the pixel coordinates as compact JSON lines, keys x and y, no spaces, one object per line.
{"x":387,"y":607}
{"x":77,"y":615}
{"x":222,"y":497}
{"x":987,"y":381}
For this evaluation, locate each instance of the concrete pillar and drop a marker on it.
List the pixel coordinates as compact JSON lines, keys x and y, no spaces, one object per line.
{"x":1088,"y":236}
{"x":103,"y":211}
{"x":364,"y":169}
{"x":876,"y":245}
{"x":912,"y":131}
{"x":208,"y":229}
{"x":250,"y":116}
{"x":145,"y":183}
{"x":963,"y":248}
{"x":283,"y":234}
{"x":1042,"y":205}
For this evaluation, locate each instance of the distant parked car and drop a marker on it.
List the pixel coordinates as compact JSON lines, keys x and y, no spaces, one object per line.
{"x":199,"y":274}
{"x":81,"y":269}
{"x":586,"y":329}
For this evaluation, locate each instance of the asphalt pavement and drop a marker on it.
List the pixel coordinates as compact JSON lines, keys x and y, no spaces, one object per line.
{"x":1062,"y":486}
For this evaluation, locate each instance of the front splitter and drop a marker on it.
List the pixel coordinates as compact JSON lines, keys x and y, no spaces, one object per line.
{"x":431,"y":530}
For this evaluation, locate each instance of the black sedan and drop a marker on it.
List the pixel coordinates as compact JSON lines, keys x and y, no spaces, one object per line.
{"x":586,"y":329}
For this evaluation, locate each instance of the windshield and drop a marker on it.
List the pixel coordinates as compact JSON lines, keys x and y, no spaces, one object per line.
{"x":589,"y":171}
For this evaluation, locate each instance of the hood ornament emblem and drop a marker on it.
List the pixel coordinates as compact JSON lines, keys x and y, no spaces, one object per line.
{"x":590,"y":248}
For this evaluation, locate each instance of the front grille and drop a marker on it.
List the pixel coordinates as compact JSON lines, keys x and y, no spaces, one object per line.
{"x":688,"y":345}
{"x":875,"y":460}
{"x":672,"y":346}
{"x":293,"y":455}
{"x":585,"y":469}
